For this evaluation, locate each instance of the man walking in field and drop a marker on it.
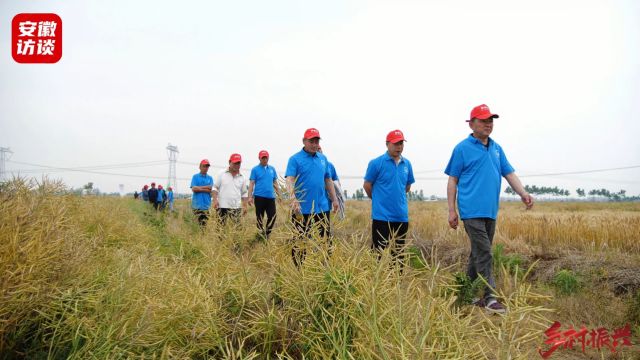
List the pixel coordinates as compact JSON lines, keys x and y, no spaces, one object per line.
{"x":153,"y":196}
{"x":170,"y":198}
{"x":475,"y":171}
{"x":387,"y":182}
{"x":308,"y":181}
{"x":230,"y":196}
{"x":263,"y":186}
{"x":201,"y":185}
{"x":337,"y":187}
{"x":145,"y":193}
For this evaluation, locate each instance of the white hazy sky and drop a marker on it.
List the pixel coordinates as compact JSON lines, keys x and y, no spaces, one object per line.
{"x":216,"y":77}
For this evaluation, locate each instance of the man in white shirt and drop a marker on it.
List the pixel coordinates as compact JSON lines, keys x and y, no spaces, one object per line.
{"x":230,"y":193}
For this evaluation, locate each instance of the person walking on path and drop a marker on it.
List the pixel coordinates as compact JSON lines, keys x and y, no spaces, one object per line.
{"x":145,"y":193}
{"x":170,"y":198}
{"x":387,"y":181}
{"x":308,"y":181}
{"x":230,"y":194}
{"x":263,"y":186}
{"x":201,"y":185}
{"x":153,"y":196}
{"x":475,"y":171}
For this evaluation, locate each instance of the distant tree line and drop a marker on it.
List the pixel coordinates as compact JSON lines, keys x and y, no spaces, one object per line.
{"x":415,"y":195}
{"x":556,"y":191}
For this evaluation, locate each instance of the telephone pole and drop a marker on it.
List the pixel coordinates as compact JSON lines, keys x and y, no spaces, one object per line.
{"x":5,"y":154}
{"x":172,"y":150}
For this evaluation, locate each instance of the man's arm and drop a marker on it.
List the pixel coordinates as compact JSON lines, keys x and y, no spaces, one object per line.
{"x":252,"y":184}
{"x":368,"y":187}
{"x":452,"y":192}
{"x":328,"y":184}
{"x":516,"y":185}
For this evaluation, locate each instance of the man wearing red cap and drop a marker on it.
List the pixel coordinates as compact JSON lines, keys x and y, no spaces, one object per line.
{"x":475,"y":171}
{"x":145,"y":193}
{"x":308,"y":182}
{"x":230,"y":192}
{"x":387,"y":182}
{"x":263,"y":185}
{"x":201,"y":186}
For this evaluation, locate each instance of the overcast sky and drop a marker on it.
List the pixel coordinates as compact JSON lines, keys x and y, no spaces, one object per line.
{"x":217,"y":77}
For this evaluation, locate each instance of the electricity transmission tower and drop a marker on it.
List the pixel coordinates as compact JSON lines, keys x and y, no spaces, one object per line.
{"x":5,"y":154}
{"x":172,"y":150}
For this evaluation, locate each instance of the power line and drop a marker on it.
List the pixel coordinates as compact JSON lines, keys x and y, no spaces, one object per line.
{"x":94,"y":167}
{"x":583,"y":171}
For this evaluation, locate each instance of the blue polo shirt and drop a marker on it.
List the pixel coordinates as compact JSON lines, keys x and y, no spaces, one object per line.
{"x":333,"y":173}
{"x":201,"y":200}
{"x":479,"y":170}
{"x":389,"y":195}
{"x":310,"y":172}
{"x":264,"y":176}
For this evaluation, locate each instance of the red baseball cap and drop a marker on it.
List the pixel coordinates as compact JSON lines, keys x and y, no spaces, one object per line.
{"x":395,"y":136}
{"x":160,"y":187}
{"x":170,"y":188}
{"x":263,"y":153}
{"x":153,"y":184}
{"x":205,"y":162}
{"x":482,"y":112}
{"x":312,"y":133}
{"x":235,"y":158}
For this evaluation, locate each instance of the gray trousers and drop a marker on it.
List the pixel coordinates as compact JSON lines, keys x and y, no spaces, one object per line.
{"x":481,"y":231}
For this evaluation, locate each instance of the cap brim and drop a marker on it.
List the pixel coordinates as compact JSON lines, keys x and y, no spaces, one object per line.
{"x":395,"y":141}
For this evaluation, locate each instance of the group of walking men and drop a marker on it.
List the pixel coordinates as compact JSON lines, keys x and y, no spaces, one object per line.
{"x":158,"y":197}
{"x":475,"y":171}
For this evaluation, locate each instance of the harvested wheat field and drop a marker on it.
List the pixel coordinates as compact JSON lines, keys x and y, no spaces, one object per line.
{"x":98,"y":277}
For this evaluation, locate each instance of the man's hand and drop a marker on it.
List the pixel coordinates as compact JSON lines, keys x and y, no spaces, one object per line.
{"x":335,"y":206}
{"x":527,"y":199}
{"x":215,"y":204}
{"x":453,"y":219}
{"x":250,"y":201}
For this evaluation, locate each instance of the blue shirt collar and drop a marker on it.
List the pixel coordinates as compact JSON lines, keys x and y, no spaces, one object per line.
{"x":303,"y":151}
{"x":476,"y":141}
{"x":388,"y":157}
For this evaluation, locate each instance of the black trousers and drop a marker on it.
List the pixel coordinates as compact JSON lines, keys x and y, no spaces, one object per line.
{"x":229,"y":214}
{"x":265,"y":206}
{"x":202,"y":216}
{"x":385,"y":232}
{"x":305,"y":224}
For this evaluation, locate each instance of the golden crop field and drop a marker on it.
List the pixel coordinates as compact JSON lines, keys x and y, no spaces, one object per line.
{"x":99,"y":277}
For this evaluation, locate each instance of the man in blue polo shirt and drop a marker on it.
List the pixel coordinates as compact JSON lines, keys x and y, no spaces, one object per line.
{"x":308,"y":182}
{"x":201,"y":185}
{"x":263,"y":185}
{"x":387,"y":182}
{"x":475,"y":171}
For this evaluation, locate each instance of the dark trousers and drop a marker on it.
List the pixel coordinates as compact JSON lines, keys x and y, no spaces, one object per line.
{"x":229,"y":214}
{"x":268,"y":206}
{"x":385,"y":232}
{"x":202,"y":216}
{"x":155,"y":205}
{"x":481,"y":231}
{"x":305,"y":225}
